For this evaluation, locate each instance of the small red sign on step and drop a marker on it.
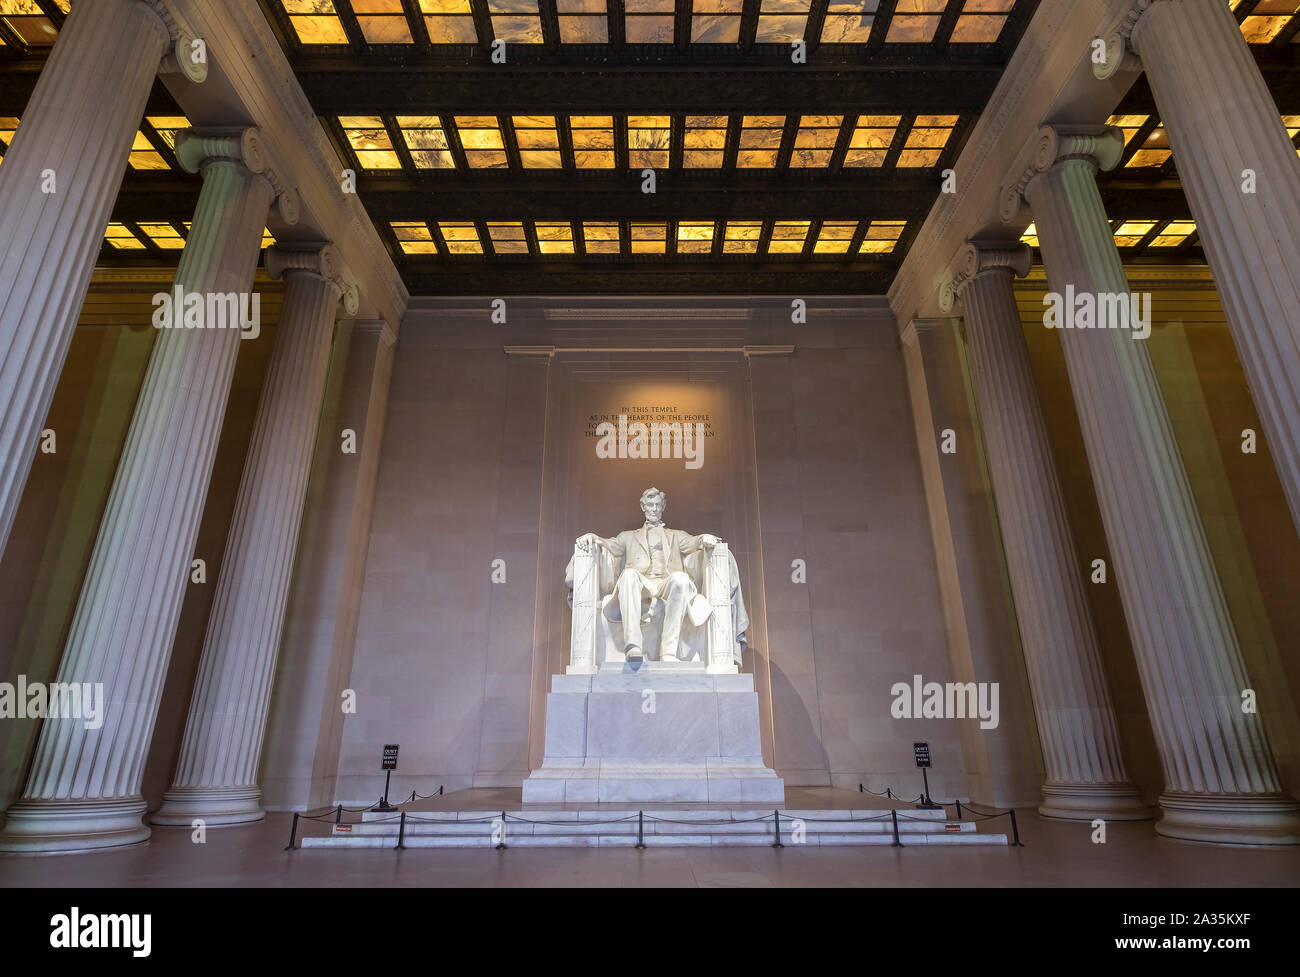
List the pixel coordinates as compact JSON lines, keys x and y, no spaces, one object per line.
{"x":342,"y":828}
{"x":952,"y":827}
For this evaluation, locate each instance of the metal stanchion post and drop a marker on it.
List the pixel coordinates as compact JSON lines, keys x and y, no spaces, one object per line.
{"x":401,"y":833}
{"x":893,"y":815}
{"x":293,"y":833}
{"x":640,"y":829}
{"x":776,"y":820}
{"x":1015,"y":831}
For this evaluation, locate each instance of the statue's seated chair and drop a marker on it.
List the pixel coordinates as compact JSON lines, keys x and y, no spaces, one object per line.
{"x":708,"y":635}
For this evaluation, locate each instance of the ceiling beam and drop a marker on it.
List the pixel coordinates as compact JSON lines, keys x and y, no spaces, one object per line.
{"x":877,"y":87}
{"x":675,"y":278}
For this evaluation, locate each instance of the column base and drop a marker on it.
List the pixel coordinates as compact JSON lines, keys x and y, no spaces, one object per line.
{"x":1230,"y":819}
{"x":214,"y":806}
{"x":1088,"y":801}
{"x":59,"y":827}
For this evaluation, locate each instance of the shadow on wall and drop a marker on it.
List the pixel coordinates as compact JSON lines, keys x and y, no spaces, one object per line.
{"x":792,"y":725}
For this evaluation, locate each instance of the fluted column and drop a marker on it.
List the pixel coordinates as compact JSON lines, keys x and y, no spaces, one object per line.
{"x":1086,"y":776}
{"x":57,"y":187}
{"x":1221,"y":783}
{"x":216,"y":775}
{"x":1241,"y":175}
{"x":83,"y":790}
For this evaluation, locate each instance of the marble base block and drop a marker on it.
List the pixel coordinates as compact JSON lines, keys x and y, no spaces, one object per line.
{"x":652,"y":735}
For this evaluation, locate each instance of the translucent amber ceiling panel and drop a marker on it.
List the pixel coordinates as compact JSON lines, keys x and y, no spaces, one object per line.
{"x":601,"y":237}
{"x":583,"y":21}
{"x":516,"y":21}
{"x":706,"y":140}
{"x":814,"y":143}
{"x":164,"y":236}
{"x":647,"y":141}
{"x":871,"y":139}
{"x":835,"y":237}
{"x":538,"y":141}
{"x":1154,"y":151}
{"x":414,"y":237}
{"x":480,"y":137}
{"x":981,"y":21}
{"x":849,"y":21}
{"x":1129,"y":233}
{"x":508,"y":237}
{"x":649,"y":238}
{"x":782,"y":21}
{"x":119,"y":236}
{"x":694,"y":237}
{"x":788,"y":237}
{"x":741,"y":237}
{"x":926,"y":141}
{"x":461,"y":237}
{"x":915,"y":21}
{"x":144,"y":156}
{"x":26,"y":19}
{"x":370,"y":141}
{"x":426,"y":141}
{"x":382,"y":21}
{"x":1173,"y":234}
{"x":715,"y":21}
{"x":593,"y":141}
{"x":760,"y":141}
{"x":315,"y":21}
{"x":882,"y":237}
{"x":449,"y":21}
{"x":648,"y":21}
{"x":554,"y":237}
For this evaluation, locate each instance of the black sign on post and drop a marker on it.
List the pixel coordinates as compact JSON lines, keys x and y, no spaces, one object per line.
{"x":921,"y":751}
{"x":389,"y":764}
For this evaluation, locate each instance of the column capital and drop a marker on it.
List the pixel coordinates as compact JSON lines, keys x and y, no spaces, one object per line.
{"x":1101,"y":146}
{"x":976,"y":258}
{"x":188,"y":52}
{"x":197,"y":148}
{"x":321,"y":261}
{"x":1121,"y":52}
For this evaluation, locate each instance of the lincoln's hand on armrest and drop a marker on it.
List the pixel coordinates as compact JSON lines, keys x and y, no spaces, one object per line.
{"x":610,"y":546}
{"x":705,"y":541}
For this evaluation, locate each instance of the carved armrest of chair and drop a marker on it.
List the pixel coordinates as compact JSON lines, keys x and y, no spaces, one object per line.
{"x":583,"y":573}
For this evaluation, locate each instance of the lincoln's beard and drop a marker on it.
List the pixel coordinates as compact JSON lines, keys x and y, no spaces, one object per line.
{"x":653,"y":520}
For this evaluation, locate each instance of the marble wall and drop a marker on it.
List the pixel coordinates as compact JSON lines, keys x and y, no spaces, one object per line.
{"x":820,"y":467}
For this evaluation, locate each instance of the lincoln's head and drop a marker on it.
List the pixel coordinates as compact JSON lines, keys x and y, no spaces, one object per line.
{"x":652,"y":504}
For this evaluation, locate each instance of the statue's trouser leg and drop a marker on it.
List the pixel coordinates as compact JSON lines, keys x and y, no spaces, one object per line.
{"x":630,"y":588}
{"x":677,"y":592}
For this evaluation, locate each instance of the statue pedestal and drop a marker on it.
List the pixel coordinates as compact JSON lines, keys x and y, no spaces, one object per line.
{"x":666,"y":734}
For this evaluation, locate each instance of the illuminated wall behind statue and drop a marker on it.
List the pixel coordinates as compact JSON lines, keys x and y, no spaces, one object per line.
{"x":488,"y":471}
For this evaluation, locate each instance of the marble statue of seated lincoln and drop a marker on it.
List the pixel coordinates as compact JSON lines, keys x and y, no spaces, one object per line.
{"x":650,"y":580}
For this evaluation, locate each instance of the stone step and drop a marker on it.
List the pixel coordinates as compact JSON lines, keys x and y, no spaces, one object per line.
{"x":594,"y":840}
{"x":619,"y":828}
{"x":910,"y":815}
{"x":763,"y":827}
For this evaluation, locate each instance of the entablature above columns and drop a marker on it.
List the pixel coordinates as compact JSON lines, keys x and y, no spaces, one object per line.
{"x":1049,"y":79}
{"x":250,"y":85}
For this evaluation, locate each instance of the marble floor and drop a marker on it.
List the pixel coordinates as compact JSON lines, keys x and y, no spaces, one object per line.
{"x":1056,"y":854}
